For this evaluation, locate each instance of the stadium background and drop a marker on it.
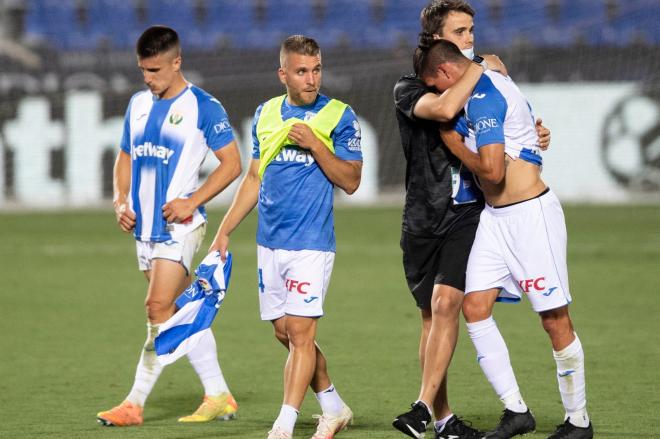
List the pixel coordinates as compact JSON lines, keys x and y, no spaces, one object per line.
{"x":70,"y":299}
{"x":589,"y":67}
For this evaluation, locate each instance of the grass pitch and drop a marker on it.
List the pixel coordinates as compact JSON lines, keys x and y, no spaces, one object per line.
{"x":72,"y":324}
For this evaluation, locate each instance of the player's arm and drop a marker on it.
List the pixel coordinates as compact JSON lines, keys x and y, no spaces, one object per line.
{"x":244,"y":201}
{"x":445,"y":106}
{"x":226,"y":172}
{"x":488,"y":164}
{"x":121,"y":184}
{"x":345,"y":174}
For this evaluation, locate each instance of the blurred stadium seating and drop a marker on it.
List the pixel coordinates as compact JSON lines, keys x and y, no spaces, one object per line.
{"x":86,"y":24}
{"x":62,"y":60}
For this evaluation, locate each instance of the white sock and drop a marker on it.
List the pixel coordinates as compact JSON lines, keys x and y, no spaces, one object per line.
{"x":330,"y":401}
{"x":148,"y":369}
{"x":493,"y":357}
{"x":440,"y":423}
{"x":204,"y":359}
{"x":287,"y":418}
{"x":572,"y":387}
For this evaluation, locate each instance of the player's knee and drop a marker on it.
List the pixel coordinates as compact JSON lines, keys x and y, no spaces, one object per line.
{"x":475,"y":310}
{"x":301,"y":340}
{"x":556,"y":322}
{"x":158,"y":309}
{"x":447,"y":306}
{"x":281,"y":337}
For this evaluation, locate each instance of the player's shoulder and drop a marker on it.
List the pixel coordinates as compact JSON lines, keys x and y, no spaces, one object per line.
{"x":141,"y":97}
{"x":495,"y":83}
{"x":349,"y":115}
{"x":489,"y":90}
{"x":205,"y":100}
{"x":409,"y":83}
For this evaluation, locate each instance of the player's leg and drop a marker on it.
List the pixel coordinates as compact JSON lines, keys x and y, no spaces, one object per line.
{"x":569,"y":357}
{"x":326,"y":393}
{"x":493,"y":358}
{"x":298,"y":372}
{"x":440,"y":314}
{"x":294,"y":283}
{"x":446,"y":306}
{"x":488,"y":278}
{"x":301,"y":362}
{"x":336,"y":414}
{"x":218,"y":402}
{"x":439,"y":347}
{"x":549,"y":294}
{"x":167,"y":279}
{"x":420,"y":263}
{"x":440,"y":403}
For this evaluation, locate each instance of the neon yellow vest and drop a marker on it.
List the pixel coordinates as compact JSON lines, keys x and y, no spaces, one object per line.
{"x":273,"y":132}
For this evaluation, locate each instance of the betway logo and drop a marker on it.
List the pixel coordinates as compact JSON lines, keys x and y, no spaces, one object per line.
{"x":294,"y":155}
{"x":148,"y":149}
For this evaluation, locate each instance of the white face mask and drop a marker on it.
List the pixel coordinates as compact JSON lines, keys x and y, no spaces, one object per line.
{"x":469,"y":53}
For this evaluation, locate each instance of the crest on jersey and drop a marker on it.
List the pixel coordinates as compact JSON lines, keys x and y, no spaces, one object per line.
{"x":356,"y":127}
{"x":176,"y":118}
{"x":205,"y":284}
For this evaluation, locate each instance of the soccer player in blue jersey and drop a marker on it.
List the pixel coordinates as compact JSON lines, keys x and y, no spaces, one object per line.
{"x":520,"y":244}
{"x":305,"y":144}
{"x":168,"y":131}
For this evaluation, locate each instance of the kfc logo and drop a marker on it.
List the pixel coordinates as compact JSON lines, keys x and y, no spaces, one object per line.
{"x":297,"y":286}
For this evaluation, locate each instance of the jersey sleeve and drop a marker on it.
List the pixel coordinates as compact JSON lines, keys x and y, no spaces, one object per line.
{"x":347,"y":137}
{"x":407,"y":92}
{"x":214,"y":123}
{"x":460,"y":125}
{"x":255,"y":140}
{"x":125,"y":144}
{"x":486,"y":113}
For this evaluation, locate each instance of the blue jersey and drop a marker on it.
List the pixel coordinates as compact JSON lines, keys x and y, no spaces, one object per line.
{"x":168,"y":140}
{"x":296,"y":199}
{"x":497,"y":112}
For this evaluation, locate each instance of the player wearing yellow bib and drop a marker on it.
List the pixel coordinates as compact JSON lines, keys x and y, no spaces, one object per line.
{"x":305,"y":144}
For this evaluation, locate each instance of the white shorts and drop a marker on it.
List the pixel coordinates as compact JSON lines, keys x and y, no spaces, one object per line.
{"x":292,"y":282}
{"x":522,"y":249}
{"x":181,"y":250}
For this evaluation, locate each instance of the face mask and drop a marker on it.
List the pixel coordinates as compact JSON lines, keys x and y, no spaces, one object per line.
{"x":469,"y":53}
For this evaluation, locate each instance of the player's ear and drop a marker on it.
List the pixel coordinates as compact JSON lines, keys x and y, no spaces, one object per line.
{"x":443,"y":70}
{"x":176,"y":62}
{"x":282,"y":75}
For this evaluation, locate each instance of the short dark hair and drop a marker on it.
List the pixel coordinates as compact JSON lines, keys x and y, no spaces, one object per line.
{"x":156,"y":40}
{"x":428,"y":58}
{"x":433,"y":16}
{"x":299,"y":44}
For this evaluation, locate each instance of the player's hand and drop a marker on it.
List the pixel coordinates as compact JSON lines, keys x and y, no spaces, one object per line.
{"x":178,"y":210}
{"x":220,"y":244}
{"x":125,"y":216}
{"x":495,"y":64}
{"x":543,"y":133}
{"x":303,"y":136}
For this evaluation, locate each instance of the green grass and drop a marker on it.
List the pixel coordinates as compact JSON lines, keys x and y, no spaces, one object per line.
{"x":72,"y":324}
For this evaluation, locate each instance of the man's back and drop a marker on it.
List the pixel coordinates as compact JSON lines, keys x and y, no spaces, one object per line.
{"x":429,"y":209}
